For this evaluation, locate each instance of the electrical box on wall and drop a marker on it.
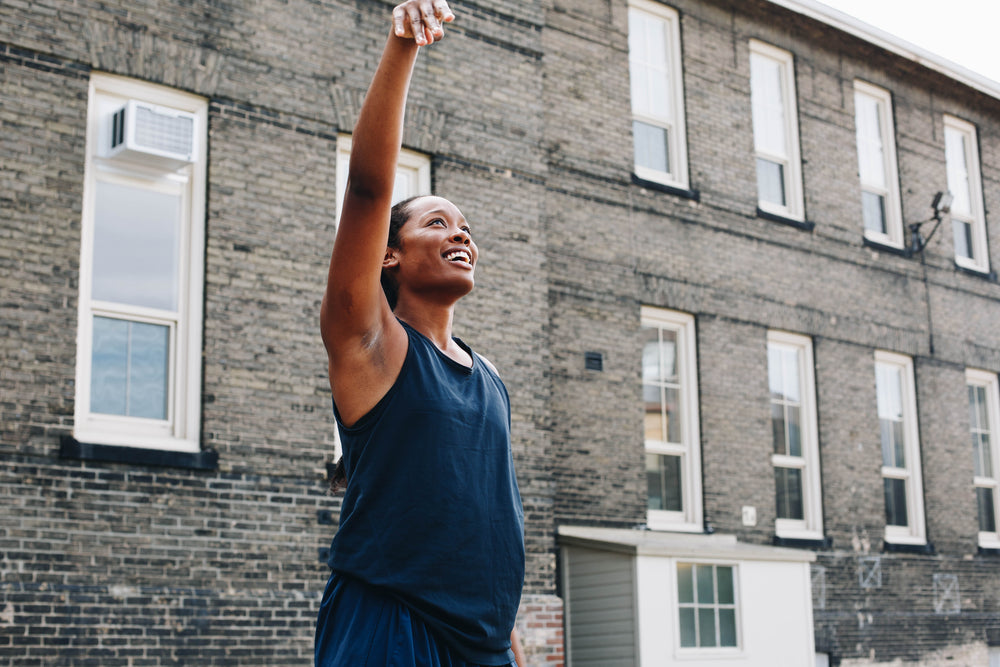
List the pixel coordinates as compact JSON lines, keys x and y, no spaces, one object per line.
{"x":152,"y":135}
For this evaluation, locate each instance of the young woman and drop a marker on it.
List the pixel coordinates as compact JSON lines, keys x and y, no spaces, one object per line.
{"x":428,"y":561}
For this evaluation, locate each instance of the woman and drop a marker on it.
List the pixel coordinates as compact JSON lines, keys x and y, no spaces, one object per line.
{"x":428,"y":561}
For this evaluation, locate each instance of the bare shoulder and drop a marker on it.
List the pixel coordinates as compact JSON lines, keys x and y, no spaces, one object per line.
{"x":489,"y":364}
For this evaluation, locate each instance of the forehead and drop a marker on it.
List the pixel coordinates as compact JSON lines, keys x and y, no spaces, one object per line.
{"x":434,"y":205}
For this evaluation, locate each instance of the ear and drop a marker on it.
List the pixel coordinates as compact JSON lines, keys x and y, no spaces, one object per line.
{"x":390,"y":260}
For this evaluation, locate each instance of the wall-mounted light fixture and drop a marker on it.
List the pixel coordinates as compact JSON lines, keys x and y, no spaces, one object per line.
{"x":941,"y":206}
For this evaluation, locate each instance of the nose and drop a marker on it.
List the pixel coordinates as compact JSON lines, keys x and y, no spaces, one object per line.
{"x":461,"y":236}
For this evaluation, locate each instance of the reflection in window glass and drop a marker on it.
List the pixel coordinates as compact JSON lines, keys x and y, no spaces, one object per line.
{"x":136,"y":246}
{"x":129,"y":368}
{"x":663,"y":476}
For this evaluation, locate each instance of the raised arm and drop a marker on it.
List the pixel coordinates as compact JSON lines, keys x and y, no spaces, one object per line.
{"x":355,"y":317}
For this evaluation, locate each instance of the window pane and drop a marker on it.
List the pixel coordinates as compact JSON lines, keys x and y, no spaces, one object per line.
{"x":778,"y":428}
{"x":136,"y":246}
{"x":109,"y":366}
{"x":957,"y":164}
{"x":650,"y":354}
{"x":768,"y":105}
{"x":895,"y":502}
{"x":129,"y":368}
{"x":706,"y":627}
{"x":792,"y":414}
{"x":724,"y":577}
{"x":663,"y":476}
{"x":770,"y":182}
{"x":685,"y":583}
{"x":788,"y":490}
{"x":873,"y":211}
{"x":962,"y":231}
{"x":987,"y":510}
{"x":673,"y":414}
{"x":727,"y":627}
{"x":871,"y":150}
{"x":653,"y":399}
{"x":689,"y":633}
{"x":986,"y":456}
{"x":652,"y":149}
{"x":705,"y":580}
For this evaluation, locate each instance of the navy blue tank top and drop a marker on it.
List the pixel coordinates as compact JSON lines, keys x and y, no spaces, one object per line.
{"x":432,"y":514}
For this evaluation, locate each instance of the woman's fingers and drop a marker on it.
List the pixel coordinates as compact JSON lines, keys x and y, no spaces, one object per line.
{"x":421,"y":20}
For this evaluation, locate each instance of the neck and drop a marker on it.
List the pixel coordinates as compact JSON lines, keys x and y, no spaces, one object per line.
{"x":433,"y":321}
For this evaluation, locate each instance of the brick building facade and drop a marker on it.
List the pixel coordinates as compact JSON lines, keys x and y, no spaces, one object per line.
{"x":768,"y":229}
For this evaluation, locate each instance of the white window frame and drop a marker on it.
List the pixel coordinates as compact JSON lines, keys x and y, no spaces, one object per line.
{"x":915,"y":530}
{"x":988,"y":381}
{"x":705,"y":652}
{"x":670,"y":118}
{"x":412,"y":166}
{"x":791,"y":160}
{"x":890,"y":170}
{"x":181,"y":431}
{"x":976,"y":216}
{"x":810,"y":527}
{"x":689,"y":448}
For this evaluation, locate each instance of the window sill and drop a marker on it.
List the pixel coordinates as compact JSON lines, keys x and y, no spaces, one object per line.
{"x":71,"y":448}
{"x":978,"y":273}
{"x":803,"y":542}
{"x":884,"y":247}
{"x":693,"y":195}
{"x":925,"y":548}
{"x":992,"y":550}
{"x":791,"y":222}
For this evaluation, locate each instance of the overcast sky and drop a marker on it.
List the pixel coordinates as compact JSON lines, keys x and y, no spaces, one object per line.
{"x":962,"y":31}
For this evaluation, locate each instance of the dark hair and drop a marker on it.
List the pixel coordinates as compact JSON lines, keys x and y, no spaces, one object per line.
{"x":398,"y":216}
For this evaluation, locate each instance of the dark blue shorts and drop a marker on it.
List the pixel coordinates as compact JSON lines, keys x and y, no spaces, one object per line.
{"x":359,"y":626}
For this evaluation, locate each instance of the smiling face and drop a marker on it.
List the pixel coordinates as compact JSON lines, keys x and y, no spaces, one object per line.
{"x":435,"y":255}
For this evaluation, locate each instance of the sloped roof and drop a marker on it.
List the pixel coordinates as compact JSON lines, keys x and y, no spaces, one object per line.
{"x":891,"y":43}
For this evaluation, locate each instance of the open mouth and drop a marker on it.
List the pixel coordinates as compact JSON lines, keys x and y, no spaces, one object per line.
{"x":459,"y":256}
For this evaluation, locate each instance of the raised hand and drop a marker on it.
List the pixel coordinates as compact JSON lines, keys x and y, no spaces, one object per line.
{"x":421,"y":20}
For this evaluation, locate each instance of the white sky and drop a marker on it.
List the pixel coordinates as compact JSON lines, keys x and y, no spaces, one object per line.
{"x":962,"y":31}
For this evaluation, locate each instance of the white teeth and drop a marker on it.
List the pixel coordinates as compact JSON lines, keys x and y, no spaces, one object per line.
{"x":458,"y":254}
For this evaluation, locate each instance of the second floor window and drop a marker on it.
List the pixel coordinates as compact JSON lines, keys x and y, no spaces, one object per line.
{"x":968,"y":219}
{"x":775,"y":131}
{"x":141,"y":273}
{"x":901,"y":474}
{"x":669,"y":388}
{"x":657,"y":93}
{"x":795,"y":454}
{"x":984,"y":416}
{"x":880,"y":208}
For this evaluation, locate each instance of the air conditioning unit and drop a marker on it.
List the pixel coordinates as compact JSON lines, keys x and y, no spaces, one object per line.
{"x":152,"y":135}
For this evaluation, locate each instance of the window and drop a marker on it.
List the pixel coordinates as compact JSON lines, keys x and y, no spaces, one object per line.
{"x":967,"y":217}
{"x":706,"y":597}
{"x":141,"y":270}
{"x":413,"y":173}
{"x":897,"y":414}
{"x":775,"y":131}
{"x":880,"y":207}
{"x":669,"y":387}
{"x":984,"y":416}
{"x":794,"y":434}
{"x":657,"y":93}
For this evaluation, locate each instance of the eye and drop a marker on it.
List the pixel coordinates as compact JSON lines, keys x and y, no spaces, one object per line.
{"x":438,"y":221}
{"x":466,"y":229}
